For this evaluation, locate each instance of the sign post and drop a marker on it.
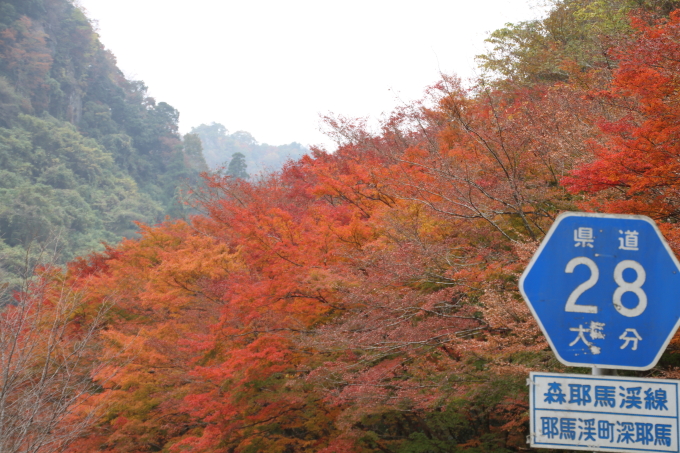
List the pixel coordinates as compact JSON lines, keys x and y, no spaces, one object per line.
{"x":605,"y":290}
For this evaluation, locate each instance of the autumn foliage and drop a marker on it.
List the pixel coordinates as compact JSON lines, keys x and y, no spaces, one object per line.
{"x":366,"y":299}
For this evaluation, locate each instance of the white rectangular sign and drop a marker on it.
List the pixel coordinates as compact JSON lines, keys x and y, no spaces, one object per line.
{"x":604,"y":413}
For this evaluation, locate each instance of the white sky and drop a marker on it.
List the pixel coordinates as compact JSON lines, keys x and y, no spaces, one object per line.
{"x":271,"y":67}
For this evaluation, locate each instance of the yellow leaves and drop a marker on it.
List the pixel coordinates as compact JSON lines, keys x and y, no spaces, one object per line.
{"x":172,"y":263}
{"x":320,"y":280}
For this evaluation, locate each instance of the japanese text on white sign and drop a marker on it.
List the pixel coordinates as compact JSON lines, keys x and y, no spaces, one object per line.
{"x":604,"y":413}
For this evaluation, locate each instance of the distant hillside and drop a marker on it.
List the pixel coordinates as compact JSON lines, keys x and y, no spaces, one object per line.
{"x":84,"y":152}
{"x":219,"y":146}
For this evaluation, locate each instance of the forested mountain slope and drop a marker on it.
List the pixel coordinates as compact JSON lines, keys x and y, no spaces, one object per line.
{"x":84,"y":152}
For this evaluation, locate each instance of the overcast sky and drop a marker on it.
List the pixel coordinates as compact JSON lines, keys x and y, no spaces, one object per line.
{"x":271,"y":67}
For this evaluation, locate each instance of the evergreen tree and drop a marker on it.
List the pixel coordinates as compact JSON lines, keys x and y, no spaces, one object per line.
{"x":237,"y":166}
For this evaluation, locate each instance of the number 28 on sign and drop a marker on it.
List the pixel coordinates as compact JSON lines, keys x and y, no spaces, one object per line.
{"x":605,"y":290}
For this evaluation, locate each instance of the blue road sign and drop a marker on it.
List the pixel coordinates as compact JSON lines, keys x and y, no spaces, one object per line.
{"x":605,"y":290}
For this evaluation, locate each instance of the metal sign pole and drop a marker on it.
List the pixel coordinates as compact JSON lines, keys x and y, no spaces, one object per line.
{"x":604,"y":372}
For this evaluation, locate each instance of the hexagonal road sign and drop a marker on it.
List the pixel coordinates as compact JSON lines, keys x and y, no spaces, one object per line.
{"x":605,"y":290}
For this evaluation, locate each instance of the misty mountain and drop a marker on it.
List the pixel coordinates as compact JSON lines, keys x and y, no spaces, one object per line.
{"x":219,"y":146}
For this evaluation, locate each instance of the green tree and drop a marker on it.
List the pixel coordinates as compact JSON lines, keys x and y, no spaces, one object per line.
{"x":237,"y":166}
{"x":576,"y":31}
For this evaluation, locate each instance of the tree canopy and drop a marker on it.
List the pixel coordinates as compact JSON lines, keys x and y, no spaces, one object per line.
{"x":237,"y":166}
